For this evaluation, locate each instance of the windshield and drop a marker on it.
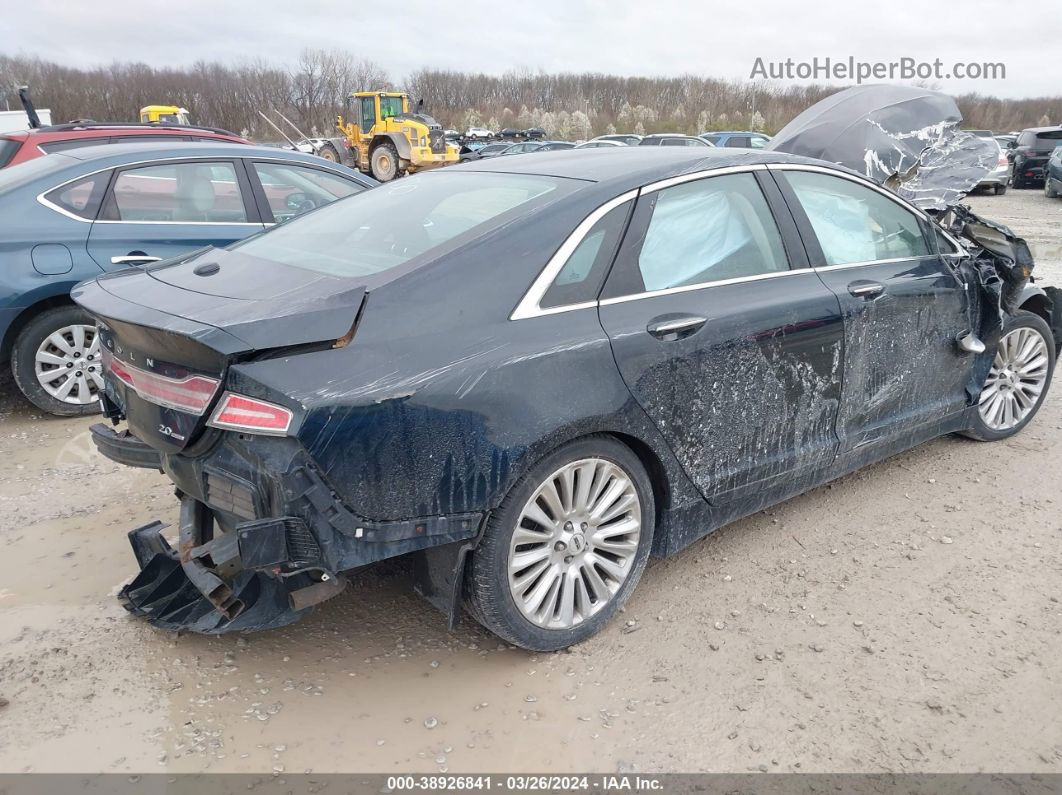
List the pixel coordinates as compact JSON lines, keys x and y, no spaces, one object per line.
{"x":390,"y":107}
{"x":393,"y":224}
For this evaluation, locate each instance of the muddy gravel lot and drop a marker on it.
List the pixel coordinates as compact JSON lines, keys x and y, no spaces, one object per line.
{"x":904,"y":618}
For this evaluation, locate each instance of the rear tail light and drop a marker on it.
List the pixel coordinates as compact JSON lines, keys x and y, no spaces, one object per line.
{"x":241,"y":413}
{"x":191,"y":394}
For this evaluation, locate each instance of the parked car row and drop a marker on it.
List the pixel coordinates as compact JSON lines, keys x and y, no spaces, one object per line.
{"x":737,"y":139}
{"x":1031,"y":152}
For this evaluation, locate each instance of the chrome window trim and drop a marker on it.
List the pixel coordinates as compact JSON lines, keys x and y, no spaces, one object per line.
{"x":162,"y":160}
{"x":705,"y":174}
{"x":865,"y":263}
{"x":529,"y":304}
{"x":703,"y":285}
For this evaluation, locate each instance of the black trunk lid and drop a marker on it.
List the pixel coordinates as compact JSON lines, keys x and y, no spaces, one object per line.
{"x":173,"y":331}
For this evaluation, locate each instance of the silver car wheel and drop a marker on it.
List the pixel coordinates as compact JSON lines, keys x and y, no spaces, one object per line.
{"x":575,"y":543}
{"x":67,"y":364}
{"x":1016,"y":380}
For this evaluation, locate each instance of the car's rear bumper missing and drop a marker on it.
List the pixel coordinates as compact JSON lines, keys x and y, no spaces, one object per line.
{"x":233,"y":582}
{"x":263,"y":537}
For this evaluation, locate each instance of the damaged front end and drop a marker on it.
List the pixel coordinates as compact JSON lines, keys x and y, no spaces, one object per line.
{"x":906,"y":138}
{"x":909,"y":139}
{"x":999,"y":265}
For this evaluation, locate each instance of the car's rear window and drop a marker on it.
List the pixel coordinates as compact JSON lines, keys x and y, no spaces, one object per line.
{"x":1047,"y":141}
{"x":8,"y":148}
{"x":395,"y":223}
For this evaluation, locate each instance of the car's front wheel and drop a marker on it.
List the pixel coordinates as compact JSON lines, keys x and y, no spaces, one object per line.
{"x":566,"y":548}
{"x":1018,"y":381}
{"x":1049,"y":189}
{"x":56,"y":362}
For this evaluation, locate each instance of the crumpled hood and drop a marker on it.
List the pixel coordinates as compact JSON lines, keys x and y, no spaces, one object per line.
{"x":906,"y":138}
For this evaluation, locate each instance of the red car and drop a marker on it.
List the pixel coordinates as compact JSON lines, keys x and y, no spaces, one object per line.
{"x":17,"y":147}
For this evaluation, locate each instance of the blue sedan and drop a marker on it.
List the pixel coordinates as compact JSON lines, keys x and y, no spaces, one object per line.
{"x":68,"y":217}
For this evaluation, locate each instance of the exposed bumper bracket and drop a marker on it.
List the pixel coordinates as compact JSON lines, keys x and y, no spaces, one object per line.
{"x":192,"y":598}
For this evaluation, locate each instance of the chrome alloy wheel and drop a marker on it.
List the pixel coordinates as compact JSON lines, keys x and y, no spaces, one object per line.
{"x":575,"y":543}
{"x":68,"y":366}
{"x":1016,"y":380}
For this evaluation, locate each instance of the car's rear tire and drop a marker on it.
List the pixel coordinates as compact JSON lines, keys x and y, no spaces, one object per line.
{"x":1018,"y":381}
{"x":1049,"y":189}
{"x":56,"y":362}
{"x":384,"y":162}
{"x":544,"y":577}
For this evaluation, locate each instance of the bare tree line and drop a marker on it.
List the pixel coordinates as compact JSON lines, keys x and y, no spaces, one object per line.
{"x":314,"y":90}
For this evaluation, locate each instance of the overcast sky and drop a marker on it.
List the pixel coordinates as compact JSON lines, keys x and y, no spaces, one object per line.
{"x":630,"y":37}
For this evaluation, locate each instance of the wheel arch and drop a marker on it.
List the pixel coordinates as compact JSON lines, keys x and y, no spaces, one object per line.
{"x":41,"y":304}
{"x":400,"y":143}
{"x":1046,"y":303}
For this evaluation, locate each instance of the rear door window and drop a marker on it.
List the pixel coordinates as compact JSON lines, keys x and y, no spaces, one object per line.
{"x":738,"y":141}
{"x":177,"y":193}
{"x":699,"y":232}
{"x":854,"y":223}
{"x":292,"y":190}
{"x":81,"y":197}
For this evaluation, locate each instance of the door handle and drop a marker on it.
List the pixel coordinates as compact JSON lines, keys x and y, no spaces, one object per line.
{"x":674,"y":327}
{"x":134,"y":259}
{"x":866,"y":289}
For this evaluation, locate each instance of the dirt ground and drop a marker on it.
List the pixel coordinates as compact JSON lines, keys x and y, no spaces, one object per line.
{"x":904,"y":618}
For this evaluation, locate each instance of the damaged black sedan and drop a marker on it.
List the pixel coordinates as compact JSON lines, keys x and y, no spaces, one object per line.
{"x":531,"y":375}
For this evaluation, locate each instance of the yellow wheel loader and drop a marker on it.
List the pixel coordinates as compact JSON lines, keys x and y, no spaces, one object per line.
{"x":386,"y":140}
{"x":164,"y":114}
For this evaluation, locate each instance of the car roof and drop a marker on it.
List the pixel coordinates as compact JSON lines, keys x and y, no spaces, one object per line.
{"x":120,"y":153}
{"x":628,"y":167}
{"x":81,"y":161}
{"x":69,"y":132}
{"x":1054,"y":128}
{"x":736,"y":132}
